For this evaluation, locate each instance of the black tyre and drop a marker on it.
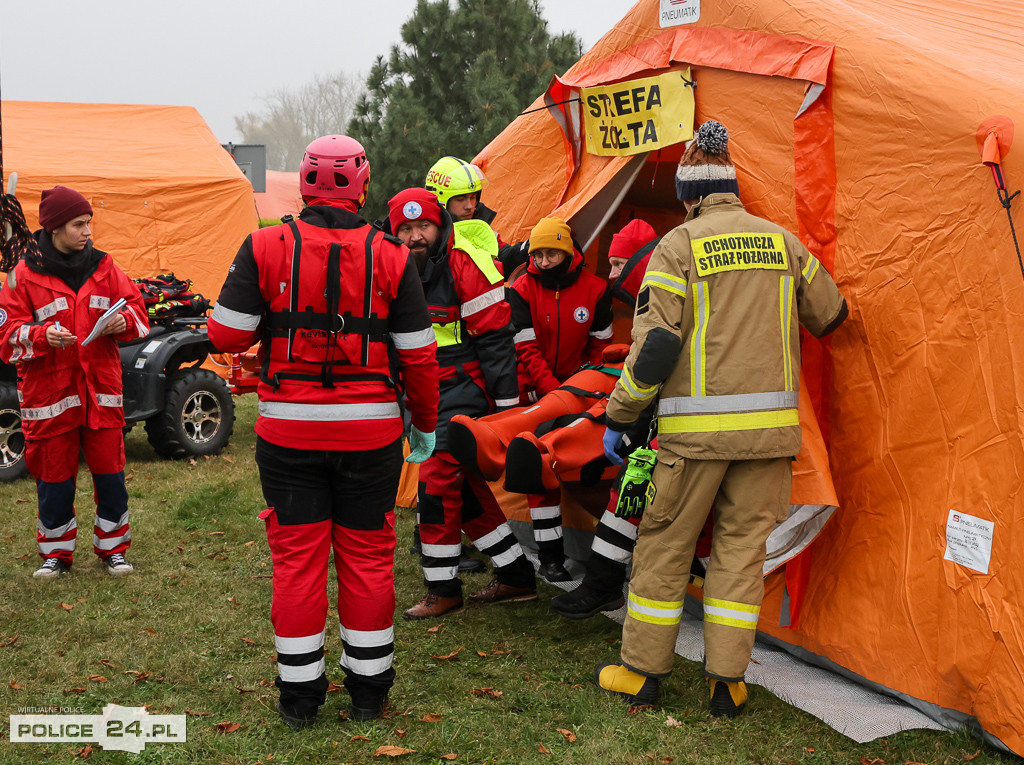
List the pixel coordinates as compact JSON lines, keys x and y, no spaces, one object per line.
{"x":198,"y":416}
{"x":12,"y":439}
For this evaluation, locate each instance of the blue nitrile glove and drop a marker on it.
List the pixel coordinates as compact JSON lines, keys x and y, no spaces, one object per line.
{"x":612,"y":440}
{"x":421,"y":445}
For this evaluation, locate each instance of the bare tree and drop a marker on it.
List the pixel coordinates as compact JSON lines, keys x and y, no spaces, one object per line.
{"x":292,"y":117}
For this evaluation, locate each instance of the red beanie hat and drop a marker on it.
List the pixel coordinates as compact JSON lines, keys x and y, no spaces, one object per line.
{"x":631,"y":238}
{"x":413,"y":204}
{"x":59,"y":205}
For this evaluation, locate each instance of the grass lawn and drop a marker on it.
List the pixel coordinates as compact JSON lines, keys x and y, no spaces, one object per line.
{"x":189,"y":633}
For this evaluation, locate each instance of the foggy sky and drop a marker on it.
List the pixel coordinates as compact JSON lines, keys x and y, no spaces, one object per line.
{"x":222,"y":58}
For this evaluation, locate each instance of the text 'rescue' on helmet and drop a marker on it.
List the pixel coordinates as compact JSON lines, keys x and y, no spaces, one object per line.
{"x":335,"y":167}
{"x":453,"y":177}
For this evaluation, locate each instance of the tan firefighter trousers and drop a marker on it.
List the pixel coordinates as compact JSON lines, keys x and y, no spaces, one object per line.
{"x":748,"y":497}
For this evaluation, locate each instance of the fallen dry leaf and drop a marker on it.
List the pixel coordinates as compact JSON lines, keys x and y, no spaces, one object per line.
{"x":84,"y":752}
{"x":401,"y":733}
{"x":198,"y":714}
{"x":22,"y":557}
{"x":8,"y":642}
{"x":108,"y":663}
{"x":392,"y":751}
{"x":250,"y":641}
{"x":481,"y":653}
{"x":20,"y":501}
{"x":667,"y":760}
{"x":637,"y":708}
{"x":451,"y":655}
{"x":543,"y":749}
{"x":672,"y":722}
{"x":66,"y":606}
{"x":486,"y":692}
{"x":227,"y":459}
{"x":227,"y":727}
{"x":970,"y":757}
{"x":810,"y":749}
{"x":75,"y":690}
{"x":98,"y":678}
{"x":431,"y":717}
{"x":217,"y":533}
{"x":233,"y":600}
{"x":15,"y":687}
{"x":333,"y":687}
{"x":434,"y":629}
{"x":141,"y":676}
{"x":249,"y":544}
{"x":360,"y":738}
{"x":449,"y":756}
{"x":147,"y":631}
{"x":569,"y":735}
{"x":342,"y":714}
{"x":875,"y":761}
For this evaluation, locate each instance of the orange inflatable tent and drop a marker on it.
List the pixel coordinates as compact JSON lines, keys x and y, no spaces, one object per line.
{"x":165,"y":194}
{"x":281,"y":198}
{"x":857,"y":125}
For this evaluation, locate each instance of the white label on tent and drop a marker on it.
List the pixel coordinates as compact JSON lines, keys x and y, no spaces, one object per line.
{"x":969,"y":541}
{"x":673,"y":13}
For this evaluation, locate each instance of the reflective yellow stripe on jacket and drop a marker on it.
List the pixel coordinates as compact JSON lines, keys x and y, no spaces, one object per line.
{"x":743,"y":411}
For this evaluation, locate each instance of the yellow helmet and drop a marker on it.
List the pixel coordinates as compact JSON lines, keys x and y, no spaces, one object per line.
{"x":452,"y":177}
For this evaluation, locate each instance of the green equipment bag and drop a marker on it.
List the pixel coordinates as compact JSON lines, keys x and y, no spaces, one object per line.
{"x":636,"y":489}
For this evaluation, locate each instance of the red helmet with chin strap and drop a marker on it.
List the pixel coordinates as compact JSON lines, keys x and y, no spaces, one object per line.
{"x":335,"y":167}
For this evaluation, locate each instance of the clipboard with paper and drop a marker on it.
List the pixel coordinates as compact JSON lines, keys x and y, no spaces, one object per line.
{"x":101,"y":324}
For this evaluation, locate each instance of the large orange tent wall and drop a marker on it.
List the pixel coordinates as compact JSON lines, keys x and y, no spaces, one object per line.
{"x":854,"y":123}
{"x":282,"y":196}
{"x":165,"y":194}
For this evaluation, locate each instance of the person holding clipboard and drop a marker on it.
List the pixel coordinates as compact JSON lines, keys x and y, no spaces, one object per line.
{"x":70,"y":390}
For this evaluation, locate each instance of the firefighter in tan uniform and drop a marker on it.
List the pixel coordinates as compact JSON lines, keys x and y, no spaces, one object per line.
{"x":716,"y":344}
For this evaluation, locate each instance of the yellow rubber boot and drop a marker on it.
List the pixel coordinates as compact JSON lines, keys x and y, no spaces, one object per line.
{"x":727,"y":699}
{"x":636,"y":688}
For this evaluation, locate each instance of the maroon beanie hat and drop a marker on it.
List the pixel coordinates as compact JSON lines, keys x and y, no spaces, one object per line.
{"x":631,"y":238}
{"x":413,"y":204}
{"x":59,"y":205}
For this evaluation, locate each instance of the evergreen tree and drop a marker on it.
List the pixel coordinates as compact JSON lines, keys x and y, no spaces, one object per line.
{"x":460,"y":75}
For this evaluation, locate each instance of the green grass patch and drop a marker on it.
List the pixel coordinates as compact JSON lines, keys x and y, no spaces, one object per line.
{"x":190,"y":633}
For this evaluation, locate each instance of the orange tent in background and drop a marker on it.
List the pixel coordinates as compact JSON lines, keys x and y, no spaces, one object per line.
{"x":854,"y":124}
{"x":165,"y":194}
{"x":281,"y":198}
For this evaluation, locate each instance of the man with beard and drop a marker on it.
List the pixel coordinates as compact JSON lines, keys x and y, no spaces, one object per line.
{"x":466,"y":300}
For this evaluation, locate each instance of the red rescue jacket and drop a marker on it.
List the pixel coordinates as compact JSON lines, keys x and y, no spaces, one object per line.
{"x":561,"y":323}
{"x":329,"y":295}
{"x":65,"y":388}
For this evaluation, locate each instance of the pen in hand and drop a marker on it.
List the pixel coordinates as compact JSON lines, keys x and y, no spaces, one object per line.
{"x":59,"y":329}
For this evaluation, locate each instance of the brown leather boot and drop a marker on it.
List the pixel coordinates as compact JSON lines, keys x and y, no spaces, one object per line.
{"x":434,"y":605}
{"x":496,"y":592}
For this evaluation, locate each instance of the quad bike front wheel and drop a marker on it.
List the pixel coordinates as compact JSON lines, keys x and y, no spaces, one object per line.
{"x":198,"y":416}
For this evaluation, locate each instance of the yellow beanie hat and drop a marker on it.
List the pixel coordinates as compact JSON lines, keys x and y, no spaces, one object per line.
{"x":553,"y":233}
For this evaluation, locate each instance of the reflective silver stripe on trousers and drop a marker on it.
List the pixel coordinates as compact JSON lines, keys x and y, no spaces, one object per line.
{"x":304,"y":674}
{"x":51,"y":411}
{"x":492,"y":538}
{"x":542,"y":513}
{"x":366,"y":667}
{"x":547,"y":535}
{"x":60,"y":530}
{"x":109,"y":526}
{"x":441,"y":551}
{"x":244,"y":322}
{"x":440,"y":573}
{"x":104,"y":399}
{"x":294,"y":645}
{"x":283,"y":410}
{"x":620,"y":525}
{"x":48,"y":548}
{"x":739,"y":402}
{"x":112,"y":542}
{"x":610,"y":551}
{"x":408,"y":340}
{"x":367,"y":638}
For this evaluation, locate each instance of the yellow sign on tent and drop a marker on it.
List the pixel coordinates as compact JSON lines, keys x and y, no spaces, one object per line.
{"x":638,"y":115}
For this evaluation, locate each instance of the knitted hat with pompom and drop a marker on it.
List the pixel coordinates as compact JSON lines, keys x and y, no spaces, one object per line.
{"x":706,"y":167}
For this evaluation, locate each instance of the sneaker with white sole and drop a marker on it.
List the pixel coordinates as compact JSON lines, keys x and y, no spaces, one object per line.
{"x":118,"y":565}
{"x":51,"y":569}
